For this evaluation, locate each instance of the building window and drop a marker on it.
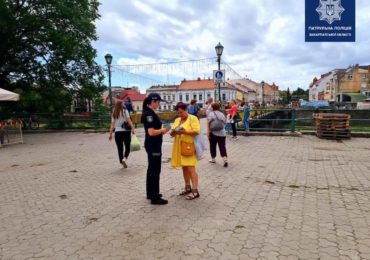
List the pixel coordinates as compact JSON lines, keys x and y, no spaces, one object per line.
{"x":195,"y":96}
{"x":223,"y":96}
{"x":364,"y":76}
{"x":160,"y":107}
{"x":187,"y":97}
{"x":349,"y":76}
{"x":173,"y":97}
{"x":168,"y":97}
{"x":200,"y":97}
{"x":164,"y":97}
{"x":180,"y":97}
{"x":208,"y":95}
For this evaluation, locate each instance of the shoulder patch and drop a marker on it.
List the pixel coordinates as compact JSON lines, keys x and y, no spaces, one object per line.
{"x":149,"y":119}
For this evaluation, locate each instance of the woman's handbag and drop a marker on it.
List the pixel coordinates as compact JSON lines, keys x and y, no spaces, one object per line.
{"x":187,"y":149}
{"x":216,"y":124}
{"x":125,"y":124}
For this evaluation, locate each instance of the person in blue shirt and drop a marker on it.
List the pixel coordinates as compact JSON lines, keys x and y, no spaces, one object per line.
{"x":193,"y":109}
{"x":128,"y":105}
{"x":247,"y":111}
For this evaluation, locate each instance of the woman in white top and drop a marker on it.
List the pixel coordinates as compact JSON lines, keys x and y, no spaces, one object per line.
{"x":123,"y":126}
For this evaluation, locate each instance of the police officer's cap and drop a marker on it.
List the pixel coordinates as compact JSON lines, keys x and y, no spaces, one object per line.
{"x":154,"y":96}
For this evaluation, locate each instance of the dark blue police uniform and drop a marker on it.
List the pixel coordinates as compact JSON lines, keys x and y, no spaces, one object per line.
{"x":153,"y":147}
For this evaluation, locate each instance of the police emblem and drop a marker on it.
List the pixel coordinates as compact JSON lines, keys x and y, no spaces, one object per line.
{"x":330,"y":10}
{"x":149,"y":119}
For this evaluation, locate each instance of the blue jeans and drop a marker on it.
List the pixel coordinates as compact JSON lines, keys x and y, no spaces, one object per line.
{"x":246,"y":124}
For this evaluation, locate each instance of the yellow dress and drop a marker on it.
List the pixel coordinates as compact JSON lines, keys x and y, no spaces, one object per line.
{"x":177,"y":160}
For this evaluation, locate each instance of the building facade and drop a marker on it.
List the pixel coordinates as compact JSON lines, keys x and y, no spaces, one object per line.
{"x":342,"y":85}
{"x":199,"y":89}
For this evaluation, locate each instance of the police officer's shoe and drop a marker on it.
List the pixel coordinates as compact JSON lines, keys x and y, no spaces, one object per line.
{"x":159,"y":201}
{"x":159,"y":196}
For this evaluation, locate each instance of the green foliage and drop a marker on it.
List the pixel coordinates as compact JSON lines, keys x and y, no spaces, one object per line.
{"x":46,"y":54}
{"x":300,"y":93}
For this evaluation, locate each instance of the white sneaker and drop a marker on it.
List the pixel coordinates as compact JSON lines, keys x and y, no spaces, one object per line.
{"x":212,"y":161}
{"x":124,"y":164}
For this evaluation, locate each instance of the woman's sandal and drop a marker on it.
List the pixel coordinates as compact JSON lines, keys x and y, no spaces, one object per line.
{"x":193,"y":195}
{"x":186,"y":191}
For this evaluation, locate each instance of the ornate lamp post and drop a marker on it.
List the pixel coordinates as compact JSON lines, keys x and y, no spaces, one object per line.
{"x":219,"y":49}
{"x":108,"y":58}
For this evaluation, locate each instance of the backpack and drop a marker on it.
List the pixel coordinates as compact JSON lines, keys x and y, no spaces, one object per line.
{"x":216,"y":124}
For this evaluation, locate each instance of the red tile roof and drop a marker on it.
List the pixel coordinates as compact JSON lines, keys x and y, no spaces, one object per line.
{"x":133,"y":94}
{"x":197,"y":84}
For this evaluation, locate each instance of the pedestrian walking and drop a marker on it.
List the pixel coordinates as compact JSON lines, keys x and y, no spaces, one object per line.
{"x":193,"y":108}
{"x":216,"y":133}
{"x":247,"y":111}
{"x":209,"y":105}
{"x":184,"y":129}
{"x":233,"y":115}
{"x":123,"y":127}
{"x":129,"y":105}
{"x":153,"y":146}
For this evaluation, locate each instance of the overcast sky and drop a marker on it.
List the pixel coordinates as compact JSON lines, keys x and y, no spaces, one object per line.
{"x":262,"y":39}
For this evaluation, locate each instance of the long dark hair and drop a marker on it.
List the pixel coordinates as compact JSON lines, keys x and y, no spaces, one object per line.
{"x":119,"y":108}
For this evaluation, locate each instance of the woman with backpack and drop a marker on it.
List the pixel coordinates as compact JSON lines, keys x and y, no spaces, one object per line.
{"x":216,"y":122}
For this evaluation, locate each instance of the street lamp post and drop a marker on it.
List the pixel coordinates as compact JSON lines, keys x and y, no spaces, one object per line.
{"x":108,"y":58}
{"x":219,"y":49}
{"x":263,"y":93}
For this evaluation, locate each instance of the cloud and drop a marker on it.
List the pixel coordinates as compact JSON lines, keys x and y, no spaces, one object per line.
{"x":263,"y":39}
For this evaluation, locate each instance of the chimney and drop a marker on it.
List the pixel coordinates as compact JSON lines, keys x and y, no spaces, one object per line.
{"x":198,"y":78}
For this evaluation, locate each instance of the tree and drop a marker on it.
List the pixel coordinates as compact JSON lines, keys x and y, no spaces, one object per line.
{"x":46,"y":52}
{"x":300,"y":93}
{"x":288,"y":96}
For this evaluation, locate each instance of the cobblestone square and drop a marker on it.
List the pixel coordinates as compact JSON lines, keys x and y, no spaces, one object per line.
{"x":64,"y":196}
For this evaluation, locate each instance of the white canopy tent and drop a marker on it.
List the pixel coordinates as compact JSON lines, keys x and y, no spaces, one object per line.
{"x":6,"y":95}
{"x":10,"y":132}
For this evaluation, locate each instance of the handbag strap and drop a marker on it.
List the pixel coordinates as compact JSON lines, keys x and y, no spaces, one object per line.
{"x":216,"y":116}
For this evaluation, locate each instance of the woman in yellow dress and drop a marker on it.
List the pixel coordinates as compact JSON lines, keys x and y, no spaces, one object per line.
{"x":184,"y":129}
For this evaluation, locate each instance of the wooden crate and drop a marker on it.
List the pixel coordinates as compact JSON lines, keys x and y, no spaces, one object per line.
{"x":332,"y":126}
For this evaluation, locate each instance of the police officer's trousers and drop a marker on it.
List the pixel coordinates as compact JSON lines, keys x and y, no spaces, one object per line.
{"x":153,"y":173}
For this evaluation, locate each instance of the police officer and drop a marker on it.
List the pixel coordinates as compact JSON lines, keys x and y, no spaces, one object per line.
{"x":153,"y":146}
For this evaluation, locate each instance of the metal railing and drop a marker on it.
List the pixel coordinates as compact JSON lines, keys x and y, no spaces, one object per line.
{"x":266,"y":120}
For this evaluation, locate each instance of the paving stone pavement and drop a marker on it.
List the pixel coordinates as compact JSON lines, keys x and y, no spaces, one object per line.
{"x":64,"y":196}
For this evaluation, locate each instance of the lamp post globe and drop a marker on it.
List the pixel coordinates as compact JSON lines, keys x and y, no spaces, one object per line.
{"x":219,"y":49}
{"x":108,"y":58}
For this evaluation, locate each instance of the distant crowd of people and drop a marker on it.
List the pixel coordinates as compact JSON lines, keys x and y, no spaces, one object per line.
{"x":186,"y":133}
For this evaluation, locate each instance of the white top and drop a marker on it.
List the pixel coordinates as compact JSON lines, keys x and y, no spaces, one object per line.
{"x":209,"y":109}
{"x":120,"y":120}
{"x":217,"y":115}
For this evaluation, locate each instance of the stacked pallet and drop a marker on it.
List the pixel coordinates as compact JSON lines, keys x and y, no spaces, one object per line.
{"x":332,"y":126}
